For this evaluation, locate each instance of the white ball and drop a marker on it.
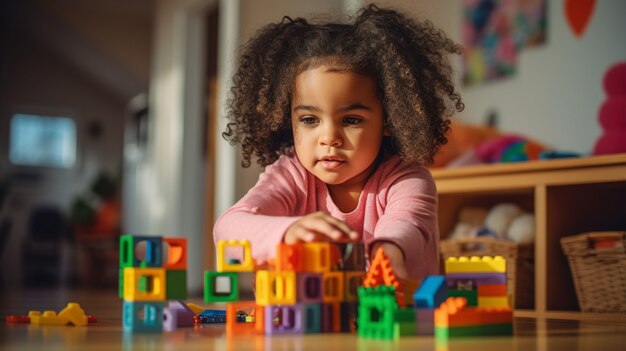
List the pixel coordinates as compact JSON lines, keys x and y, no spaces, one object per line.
{"x":500,"y":218}
{"x":522,"y":229}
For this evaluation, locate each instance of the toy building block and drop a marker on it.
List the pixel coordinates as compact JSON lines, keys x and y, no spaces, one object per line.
{"x":331,"y":317}
{"x":221,"y":287}
{"x":290,"y":257}
{"x":177,"y":315}
{"x":352,"y":256}
{"x":47,"y":318}
{"x":381,"y":273}
{"x":75,"y":314}
{"x":454,"y":312}
{"x":224,"y":264}
{"x":425,"y":321}
{"x":333,"y":289}
{"x":195,"y":308}
{"x":309,"y":287}
{"x":152,"y":313}
{"x":376,"y":312}
{"x":175,"y":284}
{"x":475,"y":264}
{"x":155,"y":288}
{"x":493,"y":301}
{"x":312,"y":319}
{"x":290,"y":320}
{"x":235,"y":325}
{"x":442,"y":334}
{"x":470,"y":295}
{"x":469,"y":281}
{"x":408,"y":288}
{"x":486,"y":290}
{"x":404,"y":321}
{"x":431,"y":293}
{"x":318,"y":257}
{"x":211,"y":317}
{"x":153,"y":251}
{"x":275,"y":288}
{"x":353,"y":280}
{"x":176,"y":253}
{"x":349,"y":315}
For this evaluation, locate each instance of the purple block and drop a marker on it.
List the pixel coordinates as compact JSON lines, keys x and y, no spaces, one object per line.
{"x":425,"y":321}
{"x":476,"y":279}
{"x":309,"y":287}
{"x":177,"y":315}
{"x":290,"y":320}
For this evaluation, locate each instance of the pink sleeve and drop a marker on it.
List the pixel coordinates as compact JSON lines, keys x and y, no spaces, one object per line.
{"x":410,"y":220}
{"x":263,"y":215}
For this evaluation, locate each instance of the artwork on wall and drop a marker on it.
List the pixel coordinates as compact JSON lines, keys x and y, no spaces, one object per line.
{"x":494,"y":32}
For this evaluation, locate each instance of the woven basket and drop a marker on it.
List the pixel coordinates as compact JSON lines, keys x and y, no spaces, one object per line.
{"x":598,"y":264}
{"x":520,"y":260}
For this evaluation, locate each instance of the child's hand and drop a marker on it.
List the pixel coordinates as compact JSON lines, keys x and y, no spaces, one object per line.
{"x":319,"y":226}
{"x":395,"y":256}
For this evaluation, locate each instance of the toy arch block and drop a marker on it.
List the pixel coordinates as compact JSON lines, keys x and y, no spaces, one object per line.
{"x":176,"y":253}
{"x":152,"y":278}
{"x":275,"y":288}
{"x":246,"y":264}
{"x":142,"y":316}
{"x":238,"y":326}
{"x":153,"y":251}
{"x":317,"y":257}
{"x":333,"y":288}
{"x":475,"y":264}
{"x":284,"y":320}
{"x":290,"y":257}
{"x":309,"y":287}
{"x":221,"y":287}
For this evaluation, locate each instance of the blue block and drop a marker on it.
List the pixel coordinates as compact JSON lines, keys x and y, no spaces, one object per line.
{"x":431,"y":293}
{"x":312,"y":318}
{"x":152,"y":317}
{"x":154,"y":251}
{"x":212,"y":317}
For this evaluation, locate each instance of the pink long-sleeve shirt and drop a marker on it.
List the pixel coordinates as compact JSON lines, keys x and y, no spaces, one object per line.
{"x":398,"y":204}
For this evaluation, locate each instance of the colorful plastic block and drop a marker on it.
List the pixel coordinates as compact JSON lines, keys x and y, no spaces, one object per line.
{"x":352,"y":256}
{"x":176,"y":253}
{"x":404,"y":321}
{"x":331,"y":317}
{"x":236,"y":326}
{"x":376,"y":312}
{"x":352,"y":282}
{"x":152,"y":313}
{"x":333,"y":289}
{"x":317,"y":257}
{"x":431,"y":293}
{"x":486,"y":290}
{"x":275,"y":288}
{"x":177,"y":315}
{"x":153,"y":251}
{"x":75,"y":314}
{"x":309,"y":287}
{"x":290,"y":257}
{"x":221,"y":287}
{"x":425,"y":321}
{"x":156,"y":285}
{"x":312,"y":319}
{"x":493,"y":301}
{"x":290,"y":320}
{"x":195,"y":308}
{"x":454,"y":312}
{"x":349,"y":316}
{"x":475,"y":264}
{"x":442,"y":333}
{"x":175,"y":284}
{"x":47,"y":318}
{"x":224,"y":264}
{"x":469,"y":281}
{"x":470,"y":295}
{"x":381,"y":273}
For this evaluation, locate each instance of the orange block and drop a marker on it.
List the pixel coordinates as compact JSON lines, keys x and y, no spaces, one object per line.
{"x":290,"y":257}
{"x":381,"y":273}
{"x":176,"y":253}
{"x":455,"y":313}
{"x":233,"y":327}
{"x":492,"y":290}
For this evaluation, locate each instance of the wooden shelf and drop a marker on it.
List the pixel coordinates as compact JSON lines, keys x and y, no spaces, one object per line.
{"x":568,"y":197}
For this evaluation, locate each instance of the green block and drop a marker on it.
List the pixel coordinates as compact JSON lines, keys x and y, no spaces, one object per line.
{"x":220,"y":287}
{"x":377,"y":307}
{"x":175,"y":284}
{"x":470,"y":295}
{"x":442,"y":333}
{"x":127,"y":251}
{"x":405,"y":320}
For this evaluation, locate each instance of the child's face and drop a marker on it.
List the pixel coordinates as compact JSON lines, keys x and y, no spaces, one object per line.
{"x":337,"y":122}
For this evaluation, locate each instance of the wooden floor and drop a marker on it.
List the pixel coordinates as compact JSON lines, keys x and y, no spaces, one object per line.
{"x":107,"y":334}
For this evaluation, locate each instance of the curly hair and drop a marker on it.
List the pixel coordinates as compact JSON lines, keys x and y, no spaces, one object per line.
{"x":406,"y":58}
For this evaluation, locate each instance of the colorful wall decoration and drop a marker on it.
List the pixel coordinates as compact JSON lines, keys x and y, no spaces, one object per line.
{"x":494,"y":31}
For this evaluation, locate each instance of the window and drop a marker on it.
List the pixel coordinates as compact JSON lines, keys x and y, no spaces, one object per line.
{"x":42,"y":141}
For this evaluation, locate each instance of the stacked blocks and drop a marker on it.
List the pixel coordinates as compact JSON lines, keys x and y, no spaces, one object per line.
{"x":145,"y":284}
{"x":454,"y":318}
{"x":302,"y":293}
{"x":481,"y":280}
{"x":427,"y":297}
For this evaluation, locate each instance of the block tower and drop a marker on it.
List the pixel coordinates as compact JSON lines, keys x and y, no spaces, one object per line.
{"x":148,"y":280}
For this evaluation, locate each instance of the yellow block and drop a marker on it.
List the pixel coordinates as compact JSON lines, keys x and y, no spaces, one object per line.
{"x":156,"y":289}
{"x":247,"y":265}
{"x":75,"y":314}
{"x":493,"y":301}
{"x":47,"y":318}
{"x":275,"y":288}
{"x":317,"y":257}
{"x":475,"y":264}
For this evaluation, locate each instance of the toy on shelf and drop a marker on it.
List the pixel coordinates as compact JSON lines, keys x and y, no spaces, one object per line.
{"x":504,"y":221}
{"x":612,"y":114}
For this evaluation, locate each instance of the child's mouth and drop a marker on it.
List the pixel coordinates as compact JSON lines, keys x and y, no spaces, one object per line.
{"x":330,"y":164}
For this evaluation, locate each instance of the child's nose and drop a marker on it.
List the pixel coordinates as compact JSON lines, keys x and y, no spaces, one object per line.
{"x":331,"y":137}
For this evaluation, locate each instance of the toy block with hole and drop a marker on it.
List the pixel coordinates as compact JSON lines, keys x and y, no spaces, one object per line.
{"x":309,"y":288}
{"x":486,"y":290}
{"x":331,"y":317}
{"x":352,"y":256}
{"x":176,"y":253}
{"x":220,"y":287}
{"x":317,"y":257}
{"x":333,"y":289}
{"x":377,"y":306}
{"x":142,"y":316}
{"x":431,"y":293}
{"x":289,"y":320}
{"x":275,"y":288}
{"x":312,"y":319}
{"x":353,"y":280}
{"x":224,"y":263}
{"x":476,"y":264}
{"x":154,"y":280}
{"x":455,"y":312}
{"x":175,"y":284}
{"x":236,"y":323}
{"x":290,"y":257}
{"x":153,"y":251}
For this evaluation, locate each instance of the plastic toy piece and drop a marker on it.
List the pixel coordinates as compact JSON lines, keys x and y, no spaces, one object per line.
{"x":176,"y":254}
{"x":17,"y":319}
{"x":175,"y":284}
{"x":246,"y":264}
{"x":486,"y":290}
{"x":152,"y":313}
{"x":212,"y":317}
{"x":381,"y":273}
{"x":275,"y":288}
{"x":493,"y":301}
{"x":349,"y":313}
{"x":352,"y":256}
{"x":235,"y":326}
{"x":195,"y":308}
{"x":177,"y":315}
{"x":221,"y":287}
{"x":333,"y":289}
{"x":331,"y":317}
{"x":442,"y":334}
{"x":318,"y":257}
{"x":472,"y":280}
{"x":309,"y":287}
{"x":475,"y":264}
{"x":404,"y":321}
{"x":376,"y":312}
{"x":74,"y":314}
{"x":312,"y":318}
{"x":154,"y":249}
{"x":431,"y":293}
{"x":470,"y":295}
{"x":47,"y":318}
{"x":290,"y":320}
{"x":455,"y":313}
{"x":156,"y":285}
{"x":290,"y":257}
{"x":425,"y":321}
{"x":352,"y":282}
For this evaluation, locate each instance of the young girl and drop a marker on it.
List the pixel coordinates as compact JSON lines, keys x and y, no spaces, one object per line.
{"x":344,"y":116}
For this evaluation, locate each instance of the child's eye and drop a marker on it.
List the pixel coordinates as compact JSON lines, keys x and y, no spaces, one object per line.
{"x":352,"y":120}
{"x":308,"y":120}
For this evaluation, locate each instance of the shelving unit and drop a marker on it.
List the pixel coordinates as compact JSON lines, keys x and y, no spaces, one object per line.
{"x":567,"y":196}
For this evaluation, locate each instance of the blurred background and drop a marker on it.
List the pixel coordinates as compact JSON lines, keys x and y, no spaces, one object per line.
{"x":111,"y":112}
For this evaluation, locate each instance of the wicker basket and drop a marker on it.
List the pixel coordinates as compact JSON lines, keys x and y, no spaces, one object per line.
{"x":520,"y":264}
{"x":598,"y":264}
